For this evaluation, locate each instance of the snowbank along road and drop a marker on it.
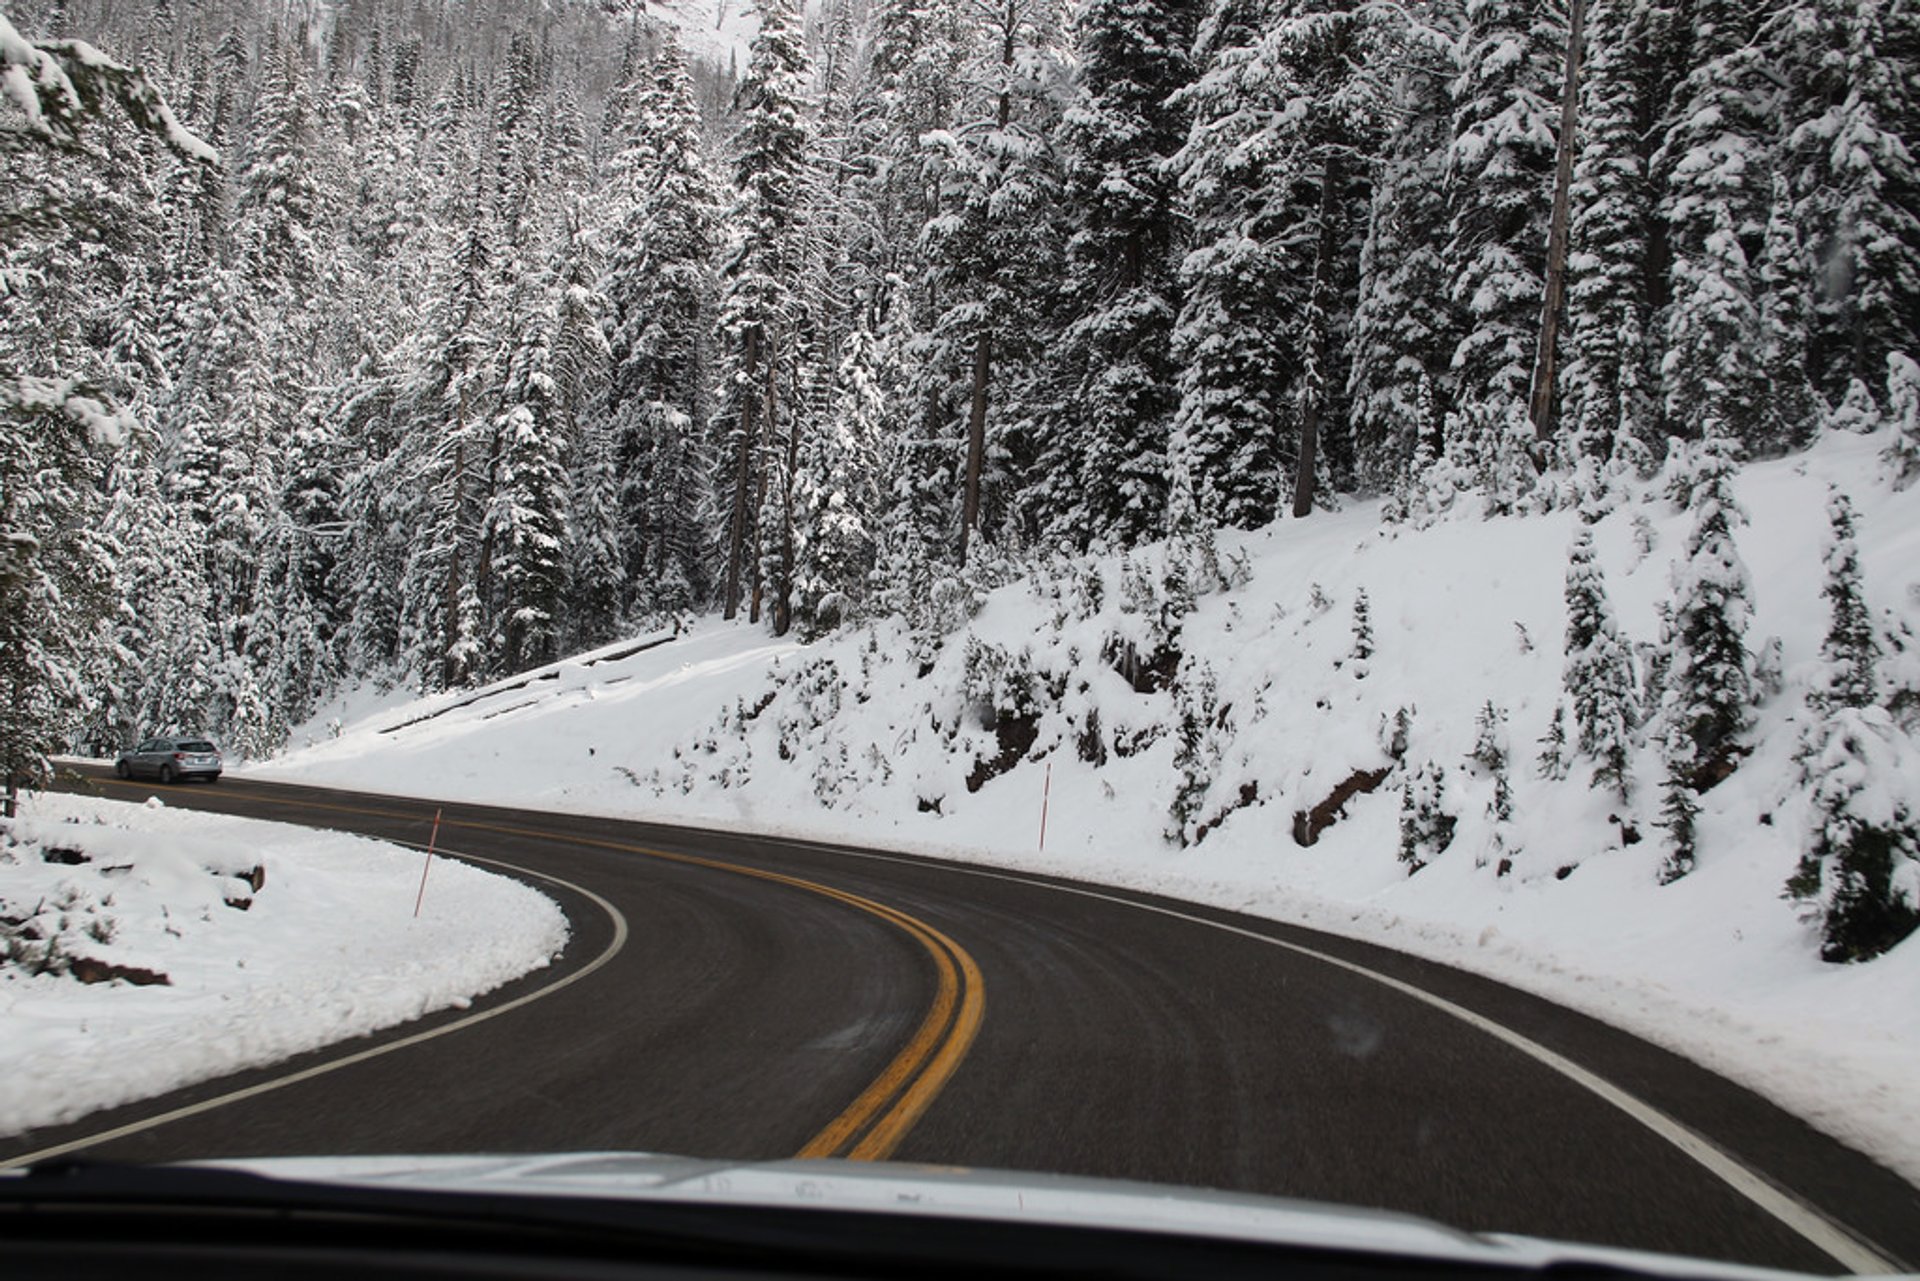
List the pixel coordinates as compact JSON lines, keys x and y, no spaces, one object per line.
{"x":749,"y":998}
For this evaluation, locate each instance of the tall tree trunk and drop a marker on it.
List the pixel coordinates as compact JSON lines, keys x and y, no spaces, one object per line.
{"x":1540,"y":404}
{"x":1315,"y":376}
{"x":976,"y":439}
{"x":769,"y":424}
{"x":742,"y":479}
{"x":783,"y":599}
{"x":451,"y":668}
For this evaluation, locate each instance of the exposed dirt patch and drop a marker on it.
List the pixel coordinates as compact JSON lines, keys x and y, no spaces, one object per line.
{"x":1308,"y":824}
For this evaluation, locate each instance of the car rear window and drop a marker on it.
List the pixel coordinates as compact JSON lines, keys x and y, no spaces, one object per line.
{"x":196,"y":745}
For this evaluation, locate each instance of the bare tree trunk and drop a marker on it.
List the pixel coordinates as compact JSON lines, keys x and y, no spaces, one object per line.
{"x":451,"y":668}
{"x":742,"y":480}
{"x":1540,"y":404}
{"x":13,"y":795}
{"x":1316,"y":372}
{"x":976,"y":439}
{"x":783,"y":600}
{"x":769,"y":424}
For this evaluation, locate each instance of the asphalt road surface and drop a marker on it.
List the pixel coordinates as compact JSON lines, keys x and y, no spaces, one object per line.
{"x":746,"y":998}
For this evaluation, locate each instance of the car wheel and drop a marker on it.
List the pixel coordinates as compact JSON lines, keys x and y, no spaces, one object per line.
{"x":123,"y":769}
{"x":166,"y":774}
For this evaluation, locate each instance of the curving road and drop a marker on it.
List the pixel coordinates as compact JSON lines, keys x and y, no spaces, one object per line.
{"x":748,"y":998}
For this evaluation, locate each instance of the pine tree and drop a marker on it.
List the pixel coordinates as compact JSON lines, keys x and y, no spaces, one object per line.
{"x":1426,"y":825}
{"x":1605,"y":380}
{"x":1791,"y":413}
{"x":1404,"y":325}
{"x":448,"y":410}
{"x":1856,"y":874}
{"x":1709,"y":693}
{"x":1115,"y":358}
{"x":1712,"y":165}
{"x":1197,"y":757}
{"x":1551,"y":763}
{"x":1902,"y":456}
{"x":1499,"y":163}
{"x":1858,"y":870}
{"x":56,"y":571}
{"x":1362,"y":650}
{"x":659,"y":287}
{"x":841,"y":492}
{"x":758,"y":316}
{"x":1850,"y":649}
{"x":1598,"y":676}
{"x":1850,"y":145}
{"x":1678,"y":808}
{"x":1227,"y":341}
{"x":523,"y":533}
{"x":996,"y":188}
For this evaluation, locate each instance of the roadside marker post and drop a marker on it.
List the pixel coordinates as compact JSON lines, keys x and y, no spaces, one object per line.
{"x":1046,"y":798}
{"x":432,"y":840}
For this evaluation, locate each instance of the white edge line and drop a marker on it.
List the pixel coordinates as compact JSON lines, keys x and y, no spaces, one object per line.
{"x":333,"y":1065}
{"x":1823,"y":1233}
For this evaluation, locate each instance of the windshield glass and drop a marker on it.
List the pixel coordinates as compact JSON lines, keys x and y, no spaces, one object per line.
{"x":1268,"y":597}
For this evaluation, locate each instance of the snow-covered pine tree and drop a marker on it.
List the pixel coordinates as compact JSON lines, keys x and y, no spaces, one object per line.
{"x":1499,"y":167}
{"x":757,"y":315}
{"x":1859,"y":872}
{"x":1196,"y":759}
{"x":1598,"y":675}
{"x":1709,"y":693}
{"x":1404,"y":324}
{"x":660,"y":292}
{"x":1852,"y":104}
{"x":1426,"y":824}
{"x":1902,"y":456}
{"x":1850,"y":650}
{"x":1362,"y":650}
{"x":446,"y":415}
{"x":1105,"y":455}
{"x":57,"y":588}
{"x":1605,"y":380}
{"x":523,"y":534}
{"x":1712,"y":167}
{"x":996,"y":191}
{"x":1551,"y":763}
{"x":1491,"y":758}
{"x":1792,"y":410}
{"x":1227,"y":341}
{"x":1678,"y":808}
{"x":841,"y":488}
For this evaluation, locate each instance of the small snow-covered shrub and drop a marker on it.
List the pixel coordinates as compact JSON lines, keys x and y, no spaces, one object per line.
{"x":1196,"y":699}
{"x":1426,"y":823}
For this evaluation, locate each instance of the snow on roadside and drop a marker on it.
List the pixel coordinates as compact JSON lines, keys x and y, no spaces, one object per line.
{"x":326,"y":948}
{"x":851,"y":740}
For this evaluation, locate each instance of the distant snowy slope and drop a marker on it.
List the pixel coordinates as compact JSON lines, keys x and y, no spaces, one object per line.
{"x":716,"y":31}
{"x":1192,"y":755}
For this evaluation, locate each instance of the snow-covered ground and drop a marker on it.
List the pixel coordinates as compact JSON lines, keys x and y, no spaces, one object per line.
{"x":863,"y":738}
{"x":317,"y":945}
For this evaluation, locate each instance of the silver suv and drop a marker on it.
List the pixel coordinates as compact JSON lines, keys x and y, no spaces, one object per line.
{"x":171,"y":760}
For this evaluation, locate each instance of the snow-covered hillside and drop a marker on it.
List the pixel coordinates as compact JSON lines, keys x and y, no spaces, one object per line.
{"x":1189,"y":755}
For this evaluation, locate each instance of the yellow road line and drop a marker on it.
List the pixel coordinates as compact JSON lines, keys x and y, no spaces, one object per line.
{"x":915,"y":1076}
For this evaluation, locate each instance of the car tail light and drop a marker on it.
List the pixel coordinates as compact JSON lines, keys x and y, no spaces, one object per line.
{"x":179,"y":756}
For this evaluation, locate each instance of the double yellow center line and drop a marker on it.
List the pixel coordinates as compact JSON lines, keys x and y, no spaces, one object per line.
{"x":873,"y":1125}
